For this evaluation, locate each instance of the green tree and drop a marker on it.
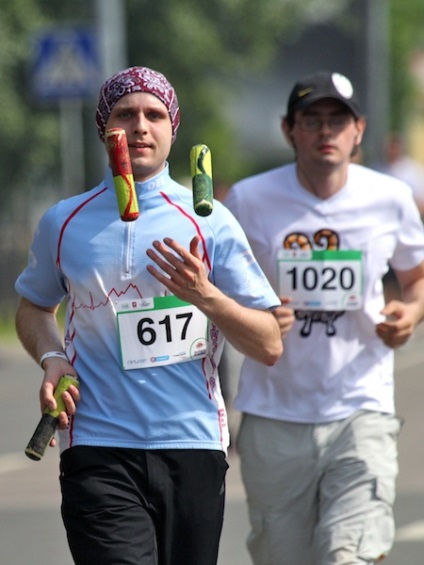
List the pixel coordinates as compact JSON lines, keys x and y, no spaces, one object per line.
{"x":199,"y":44}
{"x":29,"y":146}
{"x":406,"y":36}
{"x":202,"y":46}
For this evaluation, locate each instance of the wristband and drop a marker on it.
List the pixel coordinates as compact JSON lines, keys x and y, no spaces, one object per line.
{"x":53,"y":354}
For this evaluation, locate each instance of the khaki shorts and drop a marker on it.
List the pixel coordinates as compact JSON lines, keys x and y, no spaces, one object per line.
{"x":320,"y":494}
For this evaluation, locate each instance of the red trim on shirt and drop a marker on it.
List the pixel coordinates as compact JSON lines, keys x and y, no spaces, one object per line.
{"x":196,"y":225}
{"x":74,"y":213}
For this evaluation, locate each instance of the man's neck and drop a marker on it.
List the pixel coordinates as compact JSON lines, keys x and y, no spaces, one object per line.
{"x":323,"y":183}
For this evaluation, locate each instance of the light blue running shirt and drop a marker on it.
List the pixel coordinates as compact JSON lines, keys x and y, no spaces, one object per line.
{"x":84,"y":253}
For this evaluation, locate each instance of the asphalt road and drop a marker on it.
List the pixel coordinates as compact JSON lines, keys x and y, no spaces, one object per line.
{"x":31,"y":530}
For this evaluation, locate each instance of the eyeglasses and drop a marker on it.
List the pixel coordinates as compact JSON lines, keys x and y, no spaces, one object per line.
{"x":314,"y":123}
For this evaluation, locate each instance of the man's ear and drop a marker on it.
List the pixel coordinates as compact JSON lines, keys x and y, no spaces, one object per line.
{"x":360,"y":126}
{"x":287,"y":131}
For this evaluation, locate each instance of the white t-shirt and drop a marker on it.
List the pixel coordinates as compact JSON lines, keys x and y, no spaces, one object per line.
{"x":333,"y":363}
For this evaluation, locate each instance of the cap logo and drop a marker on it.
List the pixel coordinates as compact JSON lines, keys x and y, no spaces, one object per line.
{"x":304,"y":92}
{"x":343,"y":85}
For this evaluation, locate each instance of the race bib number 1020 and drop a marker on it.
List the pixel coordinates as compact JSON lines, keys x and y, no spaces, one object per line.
{"x":160,"y":331}
{"x":321,"y":280}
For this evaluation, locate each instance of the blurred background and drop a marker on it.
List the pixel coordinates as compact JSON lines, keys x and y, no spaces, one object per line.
{"x":232,"y":63}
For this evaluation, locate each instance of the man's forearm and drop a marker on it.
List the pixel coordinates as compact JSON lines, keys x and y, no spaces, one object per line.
{"x":255,"y":333}
{"x":412,"y":288}
{"x":37,"y":329}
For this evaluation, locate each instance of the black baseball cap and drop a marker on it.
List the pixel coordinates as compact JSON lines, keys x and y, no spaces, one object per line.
{"x":321,"y":85}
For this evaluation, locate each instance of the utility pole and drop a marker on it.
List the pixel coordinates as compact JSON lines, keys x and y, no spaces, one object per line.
{"x":377,"y":97}
{"x":111,"y":29}
{"x":112,"y":41}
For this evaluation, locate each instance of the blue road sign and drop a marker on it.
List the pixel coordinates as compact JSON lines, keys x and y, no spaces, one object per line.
{"x":66,"y":64}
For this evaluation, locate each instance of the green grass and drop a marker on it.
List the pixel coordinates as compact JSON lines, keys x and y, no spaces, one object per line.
{"x":7,"y":325}
{"x":7,"y":329}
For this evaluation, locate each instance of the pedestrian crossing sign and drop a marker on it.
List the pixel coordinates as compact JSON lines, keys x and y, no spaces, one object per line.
{"x":65,"y":64}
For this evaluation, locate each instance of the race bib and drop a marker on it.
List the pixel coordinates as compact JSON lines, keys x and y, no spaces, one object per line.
{"x":160,"y":331}
{"x":321,"y":280}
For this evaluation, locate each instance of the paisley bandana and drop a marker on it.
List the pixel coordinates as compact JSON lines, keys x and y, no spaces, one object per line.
{"x":136,"y":79}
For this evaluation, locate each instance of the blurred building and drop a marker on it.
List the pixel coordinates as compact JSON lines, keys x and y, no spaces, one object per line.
{"x":354,"y":44}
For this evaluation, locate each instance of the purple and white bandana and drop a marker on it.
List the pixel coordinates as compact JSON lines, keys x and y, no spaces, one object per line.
{"x":136,"y":79}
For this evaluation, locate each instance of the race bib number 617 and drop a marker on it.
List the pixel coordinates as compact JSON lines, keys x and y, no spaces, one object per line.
{"x":160,"y":331}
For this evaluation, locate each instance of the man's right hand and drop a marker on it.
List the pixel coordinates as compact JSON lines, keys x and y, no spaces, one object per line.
{"x":284,"y":316}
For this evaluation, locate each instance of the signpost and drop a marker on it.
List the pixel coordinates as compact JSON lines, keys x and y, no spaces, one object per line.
{"x":66,"y":70}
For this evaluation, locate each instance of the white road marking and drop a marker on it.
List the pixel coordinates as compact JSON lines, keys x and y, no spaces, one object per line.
{"x":10,"y":462}
{"x":411,"y":532}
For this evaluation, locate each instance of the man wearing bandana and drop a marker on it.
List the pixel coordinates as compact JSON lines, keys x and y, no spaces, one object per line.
{"x":149,"y":303}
